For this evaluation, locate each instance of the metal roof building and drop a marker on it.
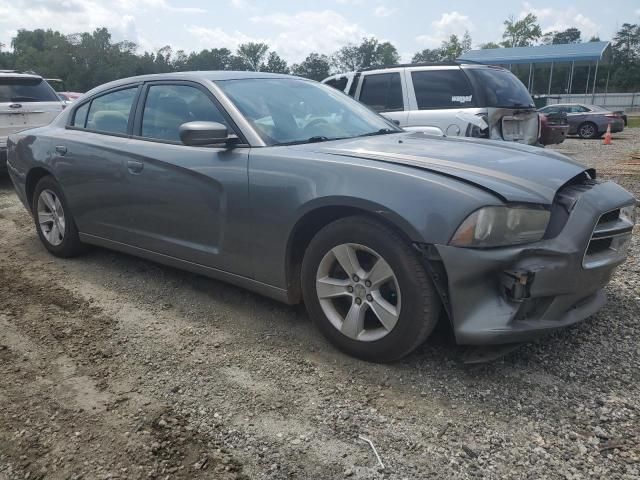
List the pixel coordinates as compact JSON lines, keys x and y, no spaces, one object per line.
{"x":570,"y":53}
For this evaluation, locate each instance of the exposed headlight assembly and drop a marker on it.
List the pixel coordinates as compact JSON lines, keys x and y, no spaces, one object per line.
{"x":501,"y":226}
{"x":628,"y":213}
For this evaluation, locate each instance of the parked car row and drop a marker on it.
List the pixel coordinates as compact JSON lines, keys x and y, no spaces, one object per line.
{"x":296,"y":191}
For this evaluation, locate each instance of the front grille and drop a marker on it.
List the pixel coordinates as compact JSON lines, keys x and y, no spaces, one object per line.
{"x":609,"y":241}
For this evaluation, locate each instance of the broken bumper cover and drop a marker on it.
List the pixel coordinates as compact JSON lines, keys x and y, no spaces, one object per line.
{"x":516,"y":294}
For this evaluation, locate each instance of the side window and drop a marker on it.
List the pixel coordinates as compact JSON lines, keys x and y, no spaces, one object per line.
{"x":338,"y":83}
{"x":169,"y":106}
{"x":382,"y":92}
{"x":442,"y":89}
{"x":80,"y":117}
{"x":110,"y":113}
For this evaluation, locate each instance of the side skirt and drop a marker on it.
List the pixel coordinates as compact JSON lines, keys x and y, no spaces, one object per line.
{"x":270,"y":291}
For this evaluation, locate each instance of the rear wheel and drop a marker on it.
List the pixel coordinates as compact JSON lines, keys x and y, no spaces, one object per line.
{"x":588,"y":130}
{"x":54,"y":223}
{"x":365,"y":288}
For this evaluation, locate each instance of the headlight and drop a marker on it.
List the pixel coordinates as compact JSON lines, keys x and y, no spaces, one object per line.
{"x":500,"y":226}
{"x":628,"y":213}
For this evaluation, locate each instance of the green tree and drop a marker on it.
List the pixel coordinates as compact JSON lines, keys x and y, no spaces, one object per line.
{"x":626,"y":44}
{"x":570,"y":35}
{"x":521,"y":33}
{"x":275,"y":64}
{"x":316,"y":67}
{"x":212,"y":59}
{"x":252,"y":55}
{"x":369,"y":53}
{"x":452,"y":48}
{"x":489,"y":45}
{"x":428,"y":56}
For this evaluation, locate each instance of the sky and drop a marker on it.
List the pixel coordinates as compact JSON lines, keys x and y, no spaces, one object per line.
{"x":294,"y":28}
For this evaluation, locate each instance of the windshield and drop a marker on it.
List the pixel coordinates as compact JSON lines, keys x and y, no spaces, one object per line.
{"x":501,"y":88}
{"x":26,"y":89}
{"x":287,"y":110}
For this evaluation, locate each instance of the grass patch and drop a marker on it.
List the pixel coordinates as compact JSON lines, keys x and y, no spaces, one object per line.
{"x":634,"y":122}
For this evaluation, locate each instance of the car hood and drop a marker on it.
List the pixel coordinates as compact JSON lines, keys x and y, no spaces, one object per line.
{"x":514,"y":172}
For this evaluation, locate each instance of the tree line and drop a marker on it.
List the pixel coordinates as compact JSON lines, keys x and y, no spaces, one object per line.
{"x":88,"y":59}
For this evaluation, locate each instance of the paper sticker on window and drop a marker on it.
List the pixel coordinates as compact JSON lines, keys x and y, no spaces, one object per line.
{"x":461,"y":98}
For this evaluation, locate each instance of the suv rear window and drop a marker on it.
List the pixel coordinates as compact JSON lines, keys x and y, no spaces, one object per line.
{"x":500,"y":88}
{"x":442,"y":89}
{"x":26,"y":89}
{"x":382,"y":92}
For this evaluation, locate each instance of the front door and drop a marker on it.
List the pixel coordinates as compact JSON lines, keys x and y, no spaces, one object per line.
{"x":183,"y":201}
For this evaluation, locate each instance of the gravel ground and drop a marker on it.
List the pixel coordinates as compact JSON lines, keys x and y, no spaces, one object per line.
{"x":114,"y":367}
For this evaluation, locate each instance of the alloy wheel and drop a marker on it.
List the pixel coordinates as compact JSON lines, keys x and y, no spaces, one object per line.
{"x":358,"y":292}
{"x":51,"y":217}
{"x":587,"y":130}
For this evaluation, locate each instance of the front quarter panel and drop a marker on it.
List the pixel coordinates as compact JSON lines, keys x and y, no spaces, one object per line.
{"x":287,"y":183}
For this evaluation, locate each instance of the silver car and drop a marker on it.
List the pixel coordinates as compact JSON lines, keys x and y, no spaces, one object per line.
{"x":587,"y":121}
{"x":447,"y":99}
{"x":296,"y":191}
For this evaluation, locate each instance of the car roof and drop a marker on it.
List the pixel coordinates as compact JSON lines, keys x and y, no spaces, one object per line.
{"x":213,"y":75}
{"x":418,"y":66}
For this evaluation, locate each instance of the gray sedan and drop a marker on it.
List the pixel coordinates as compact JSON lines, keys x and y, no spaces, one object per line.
{"x":294,"y":190}
{"x":587,"y":121}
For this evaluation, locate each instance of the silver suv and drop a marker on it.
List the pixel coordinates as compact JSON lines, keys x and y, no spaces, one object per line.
{"x":26,"y":101}
{"x":448,"y":99}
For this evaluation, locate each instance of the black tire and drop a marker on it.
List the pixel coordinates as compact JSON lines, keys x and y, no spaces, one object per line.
{"x":71,"y":245}
{"x":421,"y":306}
{"x":588,"y":130}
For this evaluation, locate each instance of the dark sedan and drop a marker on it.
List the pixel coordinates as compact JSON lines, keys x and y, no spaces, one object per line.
{"x":294,"y":190}
{"x":587,"y":121}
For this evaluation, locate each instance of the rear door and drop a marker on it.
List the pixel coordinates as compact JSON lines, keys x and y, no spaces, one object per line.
{"x":91,"y":158}
{"x":25,"y":102}
{"x":386,"y":93}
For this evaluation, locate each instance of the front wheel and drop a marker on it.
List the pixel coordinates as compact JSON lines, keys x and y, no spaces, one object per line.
{"x":54,"y":223}
{"x":365,"y":288}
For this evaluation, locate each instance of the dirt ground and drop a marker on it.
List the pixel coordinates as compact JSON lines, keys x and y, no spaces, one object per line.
{"x":115,"y":367}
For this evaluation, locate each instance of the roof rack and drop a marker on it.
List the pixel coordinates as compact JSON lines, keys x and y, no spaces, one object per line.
{"x":424,"y":64}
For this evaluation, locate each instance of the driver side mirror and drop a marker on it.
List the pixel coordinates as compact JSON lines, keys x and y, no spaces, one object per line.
{"x":205,"y":134}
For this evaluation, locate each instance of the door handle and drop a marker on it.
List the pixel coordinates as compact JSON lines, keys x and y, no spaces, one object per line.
{"x":61,"y":150}
{"x":135,"y":167}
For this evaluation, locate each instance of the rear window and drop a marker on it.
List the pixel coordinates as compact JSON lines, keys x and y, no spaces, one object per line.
{"x":382,"y":92}
{"x":23,"y":90}
{"x":338,"y":83}
{"x":442,"y":89}
{"x":500,"y":88}
{"x":110,"y":112}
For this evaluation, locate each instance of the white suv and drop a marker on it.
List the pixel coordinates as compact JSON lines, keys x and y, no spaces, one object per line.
{"x":448,"y":99}
{"x":26,"y":101}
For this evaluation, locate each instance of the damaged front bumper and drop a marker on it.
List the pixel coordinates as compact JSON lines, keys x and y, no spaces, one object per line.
{"x":515,"y":294}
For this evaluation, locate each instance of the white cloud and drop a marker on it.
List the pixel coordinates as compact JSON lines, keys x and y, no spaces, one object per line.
{"x":383,"y":11}
{"x":551,"y":20}
{"x":295,"y":35}
{"x":218,"y":38}
{"x":448,"y":24}
{"x":73,"y":16}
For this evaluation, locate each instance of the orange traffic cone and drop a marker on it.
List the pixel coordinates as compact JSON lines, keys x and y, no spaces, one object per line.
{"x":607,"y":136}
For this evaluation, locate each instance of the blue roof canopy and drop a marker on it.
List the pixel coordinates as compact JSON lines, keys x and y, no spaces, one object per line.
{"x":570,"y":52}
